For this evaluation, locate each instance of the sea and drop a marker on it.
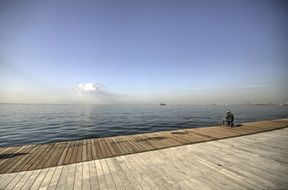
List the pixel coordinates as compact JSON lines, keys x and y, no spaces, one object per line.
{"x":22,"y":124}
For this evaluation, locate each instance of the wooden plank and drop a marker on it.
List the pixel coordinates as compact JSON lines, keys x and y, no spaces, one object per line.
{"x":71,"y":177}
{"x":63,"y":154}
{"x":18,"y":162}
{"x":86,"y":176}
{"x":264,"y":154}
{"x":103,"y":149}
{"x":52,"y":156}
{"x":117,"y":149}
{"x":93,"y":149}
{"x":31,"y":179}
{"x":210,"y":132}
{"x":6,"y":166}
{"x":122,"y":143}
{"x":139,"y":141}
{"x":133,"y":148}
{"x":195,"y":169}
{"x":195,"y":137}
{"x":100,"y":174}
{"x":74,"y":151}
{"x":106,"y":147}
{"x":267,"y":124}
{"x":6,"y":179}
{"x":55,"y":178}
{"x":106,"y":173}
{"x":122,"y":175}
{"x":153,"y":175}
{"x":152,"y":139}
{"x":40,"y":178}
{"x":253,"y":166}
{"x":57,"y":156}
{"x":109,"y":146}
{"x":10,"y":152}
{"x":138,"y":146}
{"x":98,"y":149}
{"x":84,"y":151}
{"x":78,"y":176}
{"x":13,"y":182}
{"x":237,"y":172}
{"x":26,"y":159}
{"x":264,"y":175}
{"x":183,"y":165}
{"x":5,"y":155}
{"x":249,"y":148}
{"x":93,"y":176}
{"x":69,"y":152}
{"x":241,"y":130}
{"x":79,"y":151}
{"x":42,"y":156}
{"x":230,"y":130}
{"x":137,"y":172}
{"x":222,"y":166}
{"x":163,"y":141}
{"x":47,"y":157}
{"x":39,"y":162}
{"x":145,"y":139}
{"x":182,"y":138}
{"x":33,"y":159}
{"x":23,"y":180}
{"x":89,"y":150}
{"x":47,"y":178}
{"x":130,"y":174}
{"x":222,"y":180}
{"x":130,"y":145}
{"x":192,"y":176}
{"x":262,"y":146}
{"x":5,"y":149}
{"x":172,"y":140}
{"x":113,"y":172}
{"x":63,"y":177}
{"x":118,"y":143}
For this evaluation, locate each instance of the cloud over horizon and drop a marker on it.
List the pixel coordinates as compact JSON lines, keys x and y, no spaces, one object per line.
{"x":94,"y":92}
{"x":89,"y":87}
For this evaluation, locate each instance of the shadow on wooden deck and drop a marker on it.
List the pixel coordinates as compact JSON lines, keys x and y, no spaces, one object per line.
{"x":4,"y":156}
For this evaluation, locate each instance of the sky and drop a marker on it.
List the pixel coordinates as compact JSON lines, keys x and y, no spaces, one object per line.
{"x":143,"y":51}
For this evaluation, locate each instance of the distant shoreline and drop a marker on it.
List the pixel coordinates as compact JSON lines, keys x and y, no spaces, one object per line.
{"x":268,"y":104}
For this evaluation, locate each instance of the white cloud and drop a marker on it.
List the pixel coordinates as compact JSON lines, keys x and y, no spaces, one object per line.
{"x":88,"y":87}
{"x":94,"y":93}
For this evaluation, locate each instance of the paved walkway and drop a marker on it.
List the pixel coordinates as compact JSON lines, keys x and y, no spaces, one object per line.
{"x":258,"y":161}
{"x":40,"y":156}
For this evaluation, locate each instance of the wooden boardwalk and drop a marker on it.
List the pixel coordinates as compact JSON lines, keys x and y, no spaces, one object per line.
{"x":258,"y":161}
{"x":33,"y":157}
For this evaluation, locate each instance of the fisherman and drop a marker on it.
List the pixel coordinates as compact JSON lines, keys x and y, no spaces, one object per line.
{"x":229,"y":119}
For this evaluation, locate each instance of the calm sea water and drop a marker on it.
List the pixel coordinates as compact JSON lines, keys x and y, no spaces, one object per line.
{"x":28,"y":124}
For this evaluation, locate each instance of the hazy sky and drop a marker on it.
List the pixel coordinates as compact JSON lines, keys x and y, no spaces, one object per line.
{"x":148,"y":51}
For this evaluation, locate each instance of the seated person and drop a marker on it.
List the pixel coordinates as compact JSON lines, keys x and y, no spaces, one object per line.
{"x":229,"y":119}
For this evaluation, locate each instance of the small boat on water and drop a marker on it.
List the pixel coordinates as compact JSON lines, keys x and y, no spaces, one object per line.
{"x":161,"y":104}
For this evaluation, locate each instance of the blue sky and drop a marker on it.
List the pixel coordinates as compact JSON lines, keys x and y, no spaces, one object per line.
{"x":179,"y":52}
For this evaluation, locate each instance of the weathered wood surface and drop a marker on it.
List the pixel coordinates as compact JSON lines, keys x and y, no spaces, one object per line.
{"x":258,"y":161}
{"x":31,"y":157}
